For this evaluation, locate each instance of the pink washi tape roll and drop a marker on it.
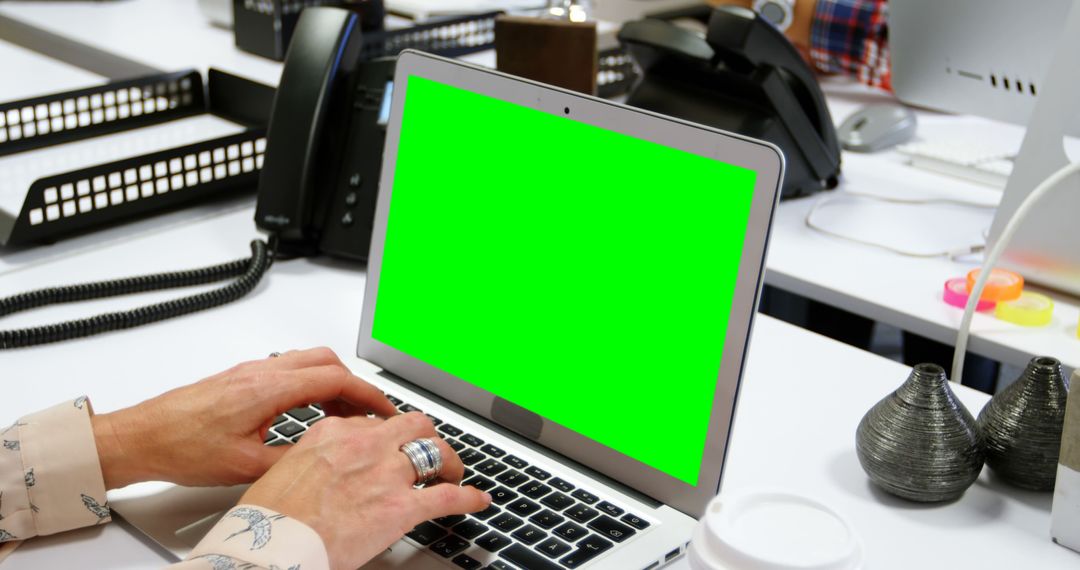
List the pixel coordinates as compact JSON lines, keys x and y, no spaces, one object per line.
{"x":956,"y":294}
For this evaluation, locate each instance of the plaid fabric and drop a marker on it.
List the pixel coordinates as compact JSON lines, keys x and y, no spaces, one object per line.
{"x":851,"y":37}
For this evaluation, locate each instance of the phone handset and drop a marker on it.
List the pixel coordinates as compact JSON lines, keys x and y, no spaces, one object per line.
{"x":744,"y":42}
{"x":306,"y":125}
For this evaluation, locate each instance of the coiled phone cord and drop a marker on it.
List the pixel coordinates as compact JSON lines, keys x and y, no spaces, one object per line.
{"x":249,"y":272}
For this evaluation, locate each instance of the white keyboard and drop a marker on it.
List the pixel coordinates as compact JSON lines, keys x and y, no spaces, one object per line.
{"x":989,"y":166}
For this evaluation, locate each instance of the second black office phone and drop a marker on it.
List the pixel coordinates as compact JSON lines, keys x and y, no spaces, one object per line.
{"x":317,"y":188}
{"x":743,"y":76}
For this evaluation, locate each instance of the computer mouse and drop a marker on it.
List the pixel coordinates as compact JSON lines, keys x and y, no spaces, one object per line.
{"x":877,"y":127}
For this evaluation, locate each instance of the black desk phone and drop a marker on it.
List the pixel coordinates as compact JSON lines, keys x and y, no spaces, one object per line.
{"x":743,"y":76}
{"x":324,"y":146}
{"x":317,"y":187}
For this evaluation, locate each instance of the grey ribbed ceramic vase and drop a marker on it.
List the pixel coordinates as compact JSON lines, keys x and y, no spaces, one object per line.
{"x":920,"y":442}
{"x":1021,"y":426}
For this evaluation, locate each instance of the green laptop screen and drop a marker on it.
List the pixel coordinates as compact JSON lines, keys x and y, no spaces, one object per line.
{"x":580,"y":273}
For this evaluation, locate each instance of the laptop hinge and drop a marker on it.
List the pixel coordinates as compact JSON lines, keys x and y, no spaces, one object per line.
{"x":523,"y":439}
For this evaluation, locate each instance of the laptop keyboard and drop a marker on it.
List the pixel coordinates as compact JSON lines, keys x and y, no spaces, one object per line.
{"x":536,"y":521}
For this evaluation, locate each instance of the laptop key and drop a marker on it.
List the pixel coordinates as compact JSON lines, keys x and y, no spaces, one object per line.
{"x":434,"y":420}
{"x":480,"y":482}
{"x":557,"y":501}
{"x":529,"y":534}
{"x":561,"y":485}
{"x":581,"y":513}
{"x":406,"y":408}
{"x":279,"y":419}
{"x":635,"y":521}
{"x":522,"y":507}
{"x":470,"y":456}
{"x":499,"y":565}
{"x":547,"y":519}
{"x":449,"y":546}
{"x":522,"y":557}
{"x":571,"y":532}
{"x":396,"y":402}
{"x":426,"y":532}
{"x":610,"y":528}
{"x":512,"y":478}
{"x":302,"y":414}
{"x":450,"y":430}
{"x":589,"y":547}
{"x":553,"y":547}
{"x":515,"y":461}
{"x":270,"y":436}
{"x":467,"y":562}
{"x":278,"y":442}
{"x":493,"y":542}
{"x":506,"y":522}
{"x":534,"y":489}
{"x":470,"y":529}
{"x":502,"y":495}
{"x":538,"y":473}
{"x":610,"y":509}
{"x":468,"y":473}
{"x":288,"y":429}
{"x":472,"y":440}
{"x":585,"y":496}
{"x":449,"y":521}
{"x":487,"y":513}
{"x":493,"y":451}
{"x":455,"y":444}
{"x":491,"y":467}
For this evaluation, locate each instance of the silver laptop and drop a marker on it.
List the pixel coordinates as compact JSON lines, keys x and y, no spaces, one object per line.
{"x":567,"y":286}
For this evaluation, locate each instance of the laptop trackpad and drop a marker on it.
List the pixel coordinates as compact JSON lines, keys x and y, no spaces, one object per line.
{"x":517,"y":418}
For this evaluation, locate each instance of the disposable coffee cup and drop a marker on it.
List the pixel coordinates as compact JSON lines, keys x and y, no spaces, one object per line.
{"x":773,"y":530}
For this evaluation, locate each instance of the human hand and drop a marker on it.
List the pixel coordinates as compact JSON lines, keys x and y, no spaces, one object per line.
{"x":349,"y":481}
{"x":211,"y":432}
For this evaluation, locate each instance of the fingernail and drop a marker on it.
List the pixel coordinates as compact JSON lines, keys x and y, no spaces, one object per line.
{"x":487,"y":498}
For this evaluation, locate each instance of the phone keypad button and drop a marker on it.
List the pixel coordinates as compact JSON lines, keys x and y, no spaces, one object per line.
{"x":347,"y":219}
{"x":351,"y":199}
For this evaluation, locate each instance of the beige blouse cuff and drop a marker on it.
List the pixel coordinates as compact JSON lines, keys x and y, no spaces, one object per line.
{"x":51,"y":481}
{"x":256,"y":537}
{"x":50,"y":475}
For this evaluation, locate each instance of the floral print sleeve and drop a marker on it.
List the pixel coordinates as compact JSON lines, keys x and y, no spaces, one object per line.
{"x":51,"y":481}
{"x":254,"y":537}
{"x":50,"y":475}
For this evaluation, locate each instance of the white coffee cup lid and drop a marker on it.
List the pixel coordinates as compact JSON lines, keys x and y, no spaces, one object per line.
{"x":773,"y":530}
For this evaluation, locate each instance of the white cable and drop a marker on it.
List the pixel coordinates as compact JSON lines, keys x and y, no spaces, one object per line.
{"x":952,"y":254}
{"x":992,"y":257}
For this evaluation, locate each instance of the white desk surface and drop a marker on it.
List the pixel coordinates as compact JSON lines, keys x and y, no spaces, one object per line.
{"x":900,"y":290}
{"x":802,"y":398}
{"x":897,"y":290}
{"x":28,"y":74}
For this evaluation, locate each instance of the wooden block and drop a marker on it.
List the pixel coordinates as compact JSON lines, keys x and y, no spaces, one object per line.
{"x":556,"y":52}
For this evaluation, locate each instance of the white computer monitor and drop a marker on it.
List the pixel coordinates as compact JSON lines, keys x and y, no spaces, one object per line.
{"x":1012,"y":61}
{"x":975,"y":57}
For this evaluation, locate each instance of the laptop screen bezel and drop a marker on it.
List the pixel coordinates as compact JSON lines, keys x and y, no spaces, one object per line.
{"x":763,"y":158}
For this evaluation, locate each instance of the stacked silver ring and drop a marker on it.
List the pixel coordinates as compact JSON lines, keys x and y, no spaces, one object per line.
{"x":426,"y":459}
